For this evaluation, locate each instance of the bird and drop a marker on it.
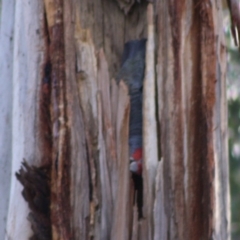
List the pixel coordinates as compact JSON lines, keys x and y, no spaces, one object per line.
{"x":132,"y":73}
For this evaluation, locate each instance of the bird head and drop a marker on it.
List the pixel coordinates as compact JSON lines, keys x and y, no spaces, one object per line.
{"x":136,"y":162}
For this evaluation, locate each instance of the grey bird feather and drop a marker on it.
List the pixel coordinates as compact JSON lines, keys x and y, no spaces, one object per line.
{"x":132,"y":73}
{"x":133,"y":65}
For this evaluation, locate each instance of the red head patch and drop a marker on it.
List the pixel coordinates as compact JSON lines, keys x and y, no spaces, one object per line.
{"x":137,"y":155}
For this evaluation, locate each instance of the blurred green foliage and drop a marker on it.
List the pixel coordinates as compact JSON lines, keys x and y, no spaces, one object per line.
{"x":233,"y":93}
{"x":234,"y":143}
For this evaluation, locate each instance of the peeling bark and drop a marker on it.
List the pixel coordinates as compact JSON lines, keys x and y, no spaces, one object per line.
{"x":187,"y":118}
{"x":36,"y":192}
{"x":71,"y":117}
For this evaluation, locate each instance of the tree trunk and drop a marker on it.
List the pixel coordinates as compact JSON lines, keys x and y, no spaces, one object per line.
{"x":63,"y":112}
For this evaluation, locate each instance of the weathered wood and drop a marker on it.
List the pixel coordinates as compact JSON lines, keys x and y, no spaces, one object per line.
{"x":150,"y":145}
{"x":191,"y":46}
{"x":68,"y":114}
{"x":80,"y":192}
{"x":120,"y":228}
{"x":6,"y":69}
{"x":24,"y":75}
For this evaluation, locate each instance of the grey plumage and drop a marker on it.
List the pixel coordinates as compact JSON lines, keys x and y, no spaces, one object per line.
{"x":132,"y":73}
{"x":133,"y":64}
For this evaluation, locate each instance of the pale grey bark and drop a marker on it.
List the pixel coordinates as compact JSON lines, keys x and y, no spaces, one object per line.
{"x":6,"y":73}
{"x":21,"y":56}
{"x":186,"y":194}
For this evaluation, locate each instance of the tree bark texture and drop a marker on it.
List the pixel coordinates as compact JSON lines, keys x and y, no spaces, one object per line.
{"x":62,"y":111}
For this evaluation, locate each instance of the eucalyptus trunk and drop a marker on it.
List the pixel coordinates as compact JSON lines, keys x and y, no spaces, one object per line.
{"x":64,"y":121}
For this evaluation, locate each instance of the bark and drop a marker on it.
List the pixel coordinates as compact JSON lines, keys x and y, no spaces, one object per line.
{"x":63,"y":112}
{"x":193,"y":117}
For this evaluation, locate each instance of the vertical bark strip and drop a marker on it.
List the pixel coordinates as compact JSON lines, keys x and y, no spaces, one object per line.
{"x":27,"y":38}
{"x":45,"y":102}
{"x":198,"y":154}
{"x":176,"y":15}
{"x":106,"y":197}
{"x":204,"y":93}
{"x":150,"y":150}
{"x":6,"y":105}
{"x":60,"y":178}
{"x":187,"y":117}
{"x":209,"y":78}
{"x":121,"y":224}
{"x":86,"y":76}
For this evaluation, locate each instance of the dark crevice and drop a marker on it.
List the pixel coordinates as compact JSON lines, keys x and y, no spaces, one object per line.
{"x":36,"y":191}
{"x":46,"y":31}
{"x":158,"y":122}
{"x":89,"y":174}
{"x":138,"y":193}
